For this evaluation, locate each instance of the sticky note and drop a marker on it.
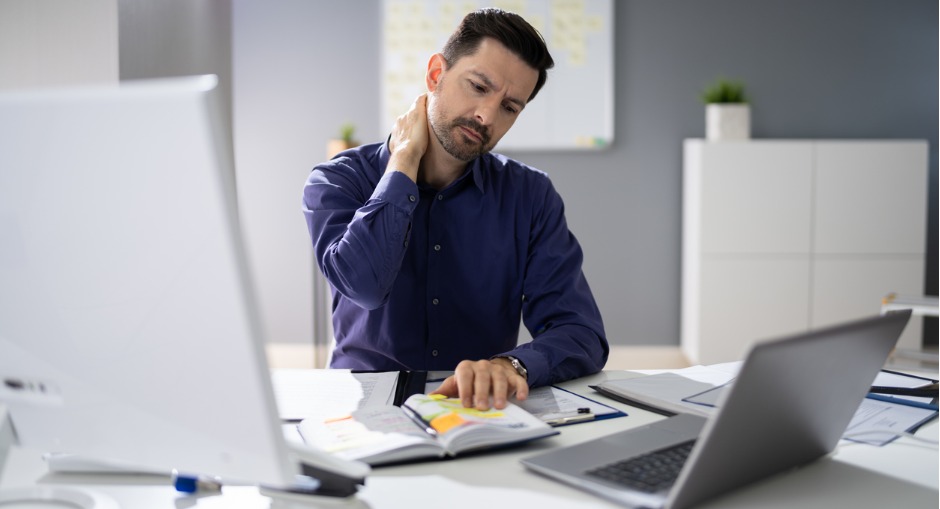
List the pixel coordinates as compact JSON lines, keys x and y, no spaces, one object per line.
{"x":445,"y":422}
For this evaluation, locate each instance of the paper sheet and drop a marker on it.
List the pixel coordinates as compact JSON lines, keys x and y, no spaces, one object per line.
{"x":327,"y":393}
{"x":874,"y":419}
{"x":715,"y":374}
{"x":546,"y":402}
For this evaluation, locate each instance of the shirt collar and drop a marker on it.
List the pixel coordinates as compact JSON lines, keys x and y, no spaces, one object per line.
{"x":384,"y":154}
{"x":475,"y":168}
{"x":479,"y":176}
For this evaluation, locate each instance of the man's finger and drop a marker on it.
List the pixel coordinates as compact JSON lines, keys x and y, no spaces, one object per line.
{"x":522,"y":387}
{"x":501,"y":386}
{"x":481,"y":385}
{"x":447,"y":388}
{"x":463,"y":377}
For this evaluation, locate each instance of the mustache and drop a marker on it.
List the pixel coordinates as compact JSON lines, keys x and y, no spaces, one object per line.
{"x":479,"y":128}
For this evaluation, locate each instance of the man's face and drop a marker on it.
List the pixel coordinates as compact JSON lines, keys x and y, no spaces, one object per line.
{"x":477,"y":100}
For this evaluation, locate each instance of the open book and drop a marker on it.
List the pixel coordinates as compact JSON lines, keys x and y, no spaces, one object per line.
{"x":424,"y":427}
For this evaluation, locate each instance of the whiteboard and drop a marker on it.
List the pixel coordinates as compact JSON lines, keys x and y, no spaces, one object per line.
{"x":575,"y":109}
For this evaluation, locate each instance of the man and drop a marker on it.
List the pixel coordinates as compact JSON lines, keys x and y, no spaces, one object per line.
{"x":434,"y":247}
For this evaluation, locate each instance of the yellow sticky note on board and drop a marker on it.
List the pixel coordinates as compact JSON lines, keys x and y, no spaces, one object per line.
{"x":444,"y":423}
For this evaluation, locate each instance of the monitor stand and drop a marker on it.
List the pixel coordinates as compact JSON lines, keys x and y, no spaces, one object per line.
{"x":43,"y":496}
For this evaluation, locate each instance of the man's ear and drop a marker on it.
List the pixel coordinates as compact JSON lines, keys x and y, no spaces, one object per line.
{"x":436,"y":67}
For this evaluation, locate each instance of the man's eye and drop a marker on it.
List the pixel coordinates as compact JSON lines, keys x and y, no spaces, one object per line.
{"x":510,"y":109}
{"x":477,"y":87}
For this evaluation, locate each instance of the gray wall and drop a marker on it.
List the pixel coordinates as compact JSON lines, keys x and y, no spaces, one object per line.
{"x":814,"y":69}
{"x":177,"y":38}
{"x":57,"y":43}
{"x":301,"y":70}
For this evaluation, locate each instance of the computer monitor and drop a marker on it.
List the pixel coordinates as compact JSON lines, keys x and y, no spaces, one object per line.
{"x":129,"y":329}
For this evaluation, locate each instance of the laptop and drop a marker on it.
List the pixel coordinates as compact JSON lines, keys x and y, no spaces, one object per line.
{"x":129,"y":329}
{"x":791,"y":402}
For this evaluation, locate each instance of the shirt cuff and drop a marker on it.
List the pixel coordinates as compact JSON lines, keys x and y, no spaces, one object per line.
{"x":535,"y":364}
{"x":397,"y":189}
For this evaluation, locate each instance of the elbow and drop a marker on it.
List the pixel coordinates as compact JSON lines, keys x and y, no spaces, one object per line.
{"x":368,"y":302}
{"x":364,"y":292}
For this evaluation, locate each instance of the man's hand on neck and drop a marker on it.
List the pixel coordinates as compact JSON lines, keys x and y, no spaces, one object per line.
{"x":419,"y":155}
{"x":409,"y":140}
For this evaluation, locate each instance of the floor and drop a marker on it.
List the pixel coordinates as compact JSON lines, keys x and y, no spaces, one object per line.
{"x":292,"y":355}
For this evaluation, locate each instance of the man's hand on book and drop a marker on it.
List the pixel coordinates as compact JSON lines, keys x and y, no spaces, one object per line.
{"x":475,"y":382}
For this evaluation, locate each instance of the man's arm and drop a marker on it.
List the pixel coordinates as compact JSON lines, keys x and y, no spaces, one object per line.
{"x":559,"y":308}
{"x":559,"y":311}
{"x":360,"y":227}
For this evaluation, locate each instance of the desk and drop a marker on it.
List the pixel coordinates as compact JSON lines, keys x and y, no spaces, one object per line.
{"x":903,"y":474}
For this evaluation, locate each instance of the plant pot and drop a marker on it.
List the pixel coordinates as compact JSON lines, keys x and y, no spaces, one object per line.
{"x":336,"y":146}
{"x":727,"y":122}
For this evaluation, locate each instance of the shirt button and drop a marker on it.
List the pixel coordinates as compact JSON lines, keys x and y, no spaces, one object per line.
{"x":437,"y":247}
{"x":434,"y":353}
{"x":435,"y":301}
{"x":440,"y":197}
{"x":411,"y":197}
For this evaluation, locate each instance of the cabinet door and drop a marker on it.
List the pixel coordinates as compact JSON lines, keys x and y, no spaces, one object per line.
{"x":745,"y":299}
{"x":846,"y":288}
{"x":871,"y":197}
{"x":756,"y":197}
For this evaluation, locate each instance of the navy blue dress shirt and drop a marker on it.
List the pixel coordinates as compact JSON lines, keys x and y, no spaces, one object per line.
{"x":424,"y":278}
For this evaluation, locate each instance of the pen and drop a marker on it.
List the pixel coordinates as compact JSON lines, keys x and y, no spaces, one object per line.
{"x":931,"y":380}
{"x":571,"y":419}
{"x":195,"y":483}
{"x":559,"y":418}
{"x":419,"y":420}
{"x":926,"y":392}
{"x":901,"y":401}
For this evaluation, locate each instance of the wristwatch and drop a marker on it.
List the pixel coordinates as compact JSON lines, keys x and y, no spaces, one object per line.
{"x":516,"y":364}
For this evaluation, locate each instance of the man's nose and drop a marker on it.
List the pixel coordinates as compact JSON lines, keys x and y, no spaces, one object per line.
{"x":486,"y":111}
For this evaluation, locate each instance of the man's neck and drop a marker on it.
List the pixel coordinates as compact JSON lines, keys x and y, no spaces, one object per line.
{"x":438,"y":168}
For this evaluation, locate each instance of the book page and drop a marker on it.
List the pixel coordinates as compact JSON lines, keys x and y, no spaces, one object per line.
{"x":461,"y":429}
{"x":374,"y":435}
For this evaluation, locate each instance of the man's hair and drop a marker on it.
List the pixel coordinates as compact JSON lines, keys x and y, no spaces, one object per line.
{"x":515,"y":33}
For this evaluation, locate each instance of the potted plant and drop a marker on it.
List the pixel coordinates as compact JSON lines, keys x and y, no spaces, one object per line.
{"x":727,"y":113}
{"x":345,"y":141}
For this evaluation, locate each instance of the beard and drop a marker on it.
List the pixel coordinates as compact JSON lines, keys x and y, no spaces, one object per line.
{"x":457,"y":144}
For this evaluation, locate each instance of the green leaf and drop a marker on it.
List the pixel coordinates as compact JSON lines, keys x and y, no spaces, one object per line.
{"x":724,"y":91}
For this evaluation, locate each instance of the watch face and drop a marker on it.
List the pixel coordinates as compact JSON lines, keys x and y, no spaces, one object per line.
{"x":519,"y":367}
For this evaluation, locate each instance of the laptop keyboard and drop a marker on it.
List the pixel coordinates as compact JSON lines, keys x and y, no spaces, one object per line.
{"x":651,"y":472}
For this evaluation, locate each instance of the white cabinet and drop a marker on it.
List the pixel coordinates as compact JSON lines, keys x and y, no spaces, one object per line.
{"x":780,"y":236}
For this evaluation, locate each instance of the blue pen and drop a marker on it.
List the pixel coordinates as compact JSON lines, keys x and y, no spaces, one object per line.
{"x":902,"y":401}
{"x":195,"y":483}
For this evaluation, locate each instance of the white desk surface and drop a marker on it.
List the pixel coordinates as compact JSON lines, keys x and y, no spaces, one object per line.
{"x":902,"y":474}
